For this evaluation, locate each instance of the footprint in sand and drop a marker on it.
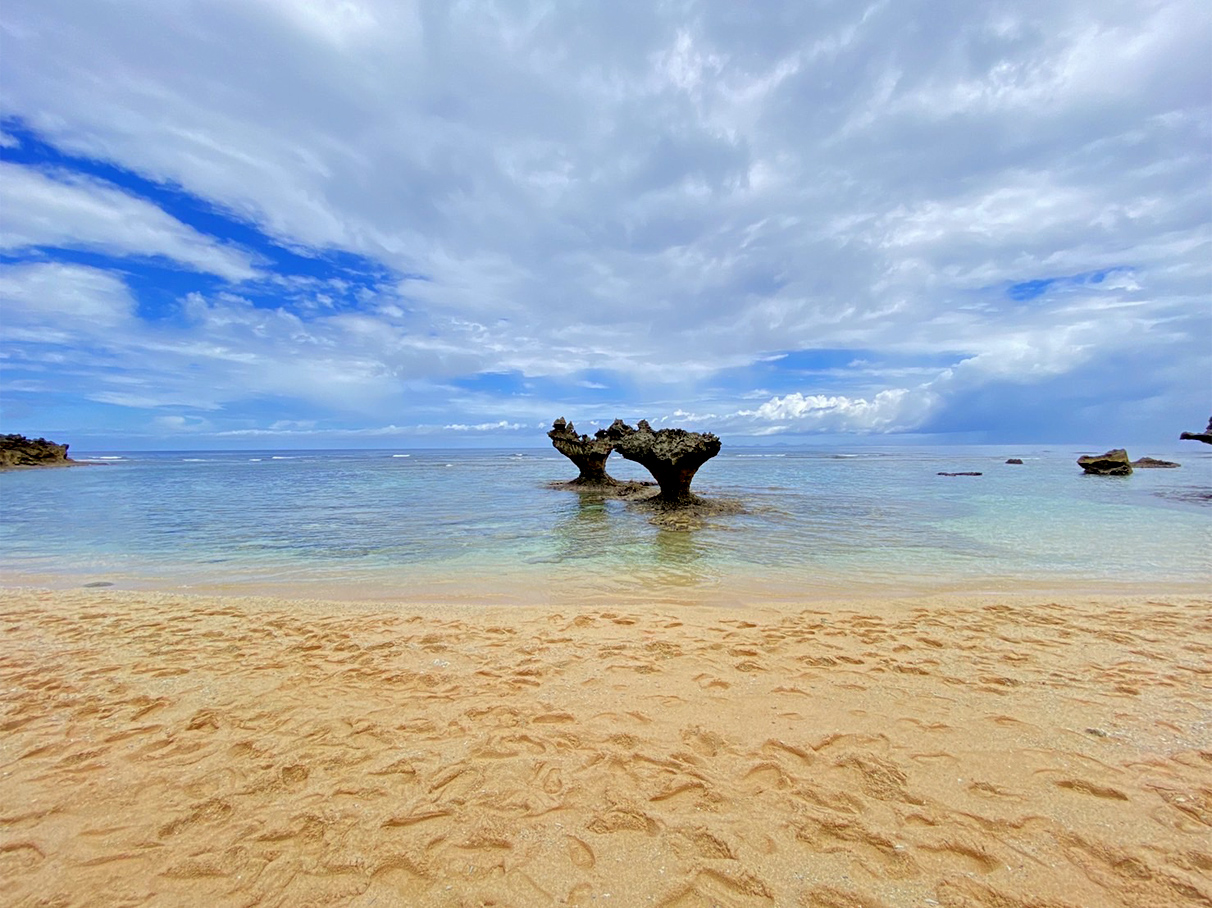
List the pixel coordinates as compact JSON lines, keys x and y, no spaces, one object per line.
{"x":1090,"y":788}
{"x":715,"y":887}
{"x":580,"y":854}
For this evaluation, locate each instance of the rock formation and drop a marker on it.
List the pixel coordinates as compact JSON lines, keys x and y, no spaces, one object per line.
{"x":967,"y":473}
{"x":672,"y":456}
{"x":1017,"y":460}
{"x":1113,"y":463}
{"x":1152,"y":463}
{"x":19,"y":451}
{"x":589,"y":454}
{"x":1205,"y":436}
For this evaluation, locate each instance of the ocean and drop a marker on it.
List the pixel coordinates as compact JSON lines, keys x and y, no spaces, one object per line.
{"x":484,"y":525}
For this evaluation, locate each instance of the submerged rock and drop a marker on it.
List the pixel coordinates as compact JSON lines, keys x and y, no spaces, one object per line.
{"x":969,"y":473}
{"x":19,"y":451}
{"x":589,"y":454}
{"x":1205,"y":436}
{"x":1113,"y":463}
{"x":672,"y":456}
{"x":1152,"y":463}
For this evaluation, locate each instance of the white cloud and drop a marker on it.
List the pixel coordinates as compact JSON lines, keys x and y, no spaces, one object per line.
{"x":182,"y":424}
{"x":63,"y":300}
{"x":899,"y":409}
{"x":501,"y":425}
{"x":65,"y":210}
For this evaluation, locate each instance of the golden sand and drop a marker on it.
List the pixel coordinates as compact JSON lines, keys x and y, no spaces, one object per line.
{"x":167,"y":750}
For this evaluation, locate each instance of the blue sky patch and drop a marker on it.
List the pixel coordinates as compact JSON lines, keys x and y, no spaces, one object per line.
{"x":1025,"y":291}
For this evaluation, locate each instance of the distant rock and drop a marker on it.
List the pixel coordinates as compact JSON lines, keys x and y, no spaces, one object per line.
{"x":19,"y":451}
{"x":1113,"y":463}
{"x":961,"y":474}
{"x":1017,"y":460}
{"x":672,"y":456}
{"x":1205,"y":436}
{"x":1152,"y":463}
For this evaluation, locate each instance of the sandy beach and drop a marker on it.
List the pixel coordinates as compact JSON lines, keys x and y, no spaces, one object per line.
{"x":963,"y":751}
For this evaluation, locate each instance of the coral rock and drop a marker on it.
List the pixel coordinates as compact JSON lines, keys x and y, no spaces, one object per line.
{"x":589,"y":454}
{"x":1205,"y":436}
{"x":1113,"y":463}
{"x":1152,"y":463}
{"x":19,"y":451}
{"x":672,"y":456}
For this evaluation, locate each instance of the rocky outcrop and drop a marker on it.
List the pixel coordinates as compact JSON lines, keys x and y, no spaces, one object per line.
{"x":1017,"y":460}
{"x":672,"y":456}
{"x":1113,"y":463}
{"x":19,"y":451}
{"x":1152,"y":463}
{"x":589,"y":454}
{"x":965,"y":473}
{"x":1205,"y":436}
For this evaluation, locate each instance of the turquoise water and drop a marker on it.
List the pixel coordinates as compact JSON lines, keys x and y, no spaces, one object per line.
{"x":368,"y":524}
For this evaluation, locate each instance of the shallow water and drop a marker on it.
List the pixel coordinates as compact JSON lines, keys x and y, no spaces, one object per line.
{"x":370,"y":524}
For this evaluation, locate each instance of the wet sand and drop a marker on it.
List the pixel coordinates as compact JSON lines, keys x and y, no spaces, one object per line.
{"x":162,"y":749}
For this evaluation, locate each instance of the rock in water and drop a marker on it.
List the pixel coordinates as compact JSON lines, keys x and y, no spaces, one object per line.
{"x":589,"y":454}
{"x":1152,"y":463}
{"x":1017,"y":460}
{"x":672,"y":456}
{"x":19,"y":451}
{"x":1205,"y":436}
{"x":1113,"y":463}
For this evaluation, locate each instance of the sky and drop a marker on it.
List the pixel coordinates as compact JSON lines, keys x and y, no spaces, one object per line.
{"x":383,"y":223}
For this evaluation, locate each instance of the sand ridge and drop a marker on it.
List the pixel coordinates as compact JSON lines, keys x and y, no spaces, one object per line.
{"x":171,"y":750}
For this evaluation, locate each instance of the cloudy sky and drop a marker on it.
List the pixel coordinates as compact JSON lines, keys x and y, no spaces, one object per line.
{"x":319,"y":223}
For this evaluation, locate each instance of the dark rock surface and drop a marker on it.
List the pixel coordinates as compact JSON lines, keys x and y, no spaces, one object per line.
{"x":1205,"y":436}
{"x":19,"y":451}
{"x":1113,"y":463}
{"x":1017,"y":460}
{"x":672,"y":456}
{"x":1152,"y":463}
{"x":961,"y":474}
{"x":589,"y":454}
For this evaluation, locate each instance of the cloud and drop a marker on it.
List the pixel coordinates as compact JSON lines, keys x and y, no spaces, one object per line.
{"x":656,"y":207}
{"x":898,"y":409}
{"x":502,"y":425}
{"x":182,"y":424}
{"x":66,"y":210}
{"x":58,"y":302}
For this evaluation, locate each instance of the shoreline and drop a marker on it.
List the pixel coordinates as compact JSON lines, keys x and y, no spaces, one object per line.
{"x":959,"y":750}
{"x":540,"y":588}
